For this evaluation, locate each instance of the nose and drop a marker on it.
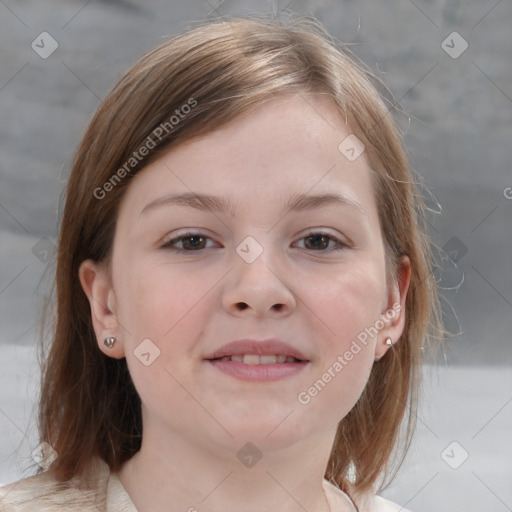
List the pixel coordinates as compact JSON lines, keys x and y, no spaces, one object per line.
{"x":258,"y":289}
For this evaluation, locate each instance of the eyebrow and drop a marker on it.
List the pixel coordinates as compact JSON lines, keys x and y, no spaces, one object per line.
{"x":296,"y":203}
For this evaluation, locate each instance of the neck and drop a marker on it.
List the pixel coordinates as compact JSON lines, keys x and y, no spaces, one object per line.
{"x":175,"y":470}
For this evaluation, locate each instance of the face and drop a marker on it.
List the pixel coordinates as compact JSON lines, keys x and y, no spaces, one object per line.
{"x":192,"y":279}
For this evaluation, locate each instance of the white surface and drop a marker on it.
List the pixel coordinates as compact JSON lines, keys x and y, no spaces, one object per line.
{"x":471,"y":406}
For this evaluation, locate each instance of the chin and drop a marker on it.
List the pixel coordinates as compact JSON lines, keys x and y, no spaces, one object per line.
{"x":269,"y":431}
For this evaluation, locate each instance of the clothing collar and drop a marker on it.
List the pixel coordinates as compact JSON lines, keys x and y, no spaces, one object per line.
{"x":119,"y":500}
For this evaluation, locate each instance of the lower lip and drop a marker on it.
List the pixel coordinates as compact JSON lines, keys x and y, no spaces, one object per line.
{"x":258,"y":372}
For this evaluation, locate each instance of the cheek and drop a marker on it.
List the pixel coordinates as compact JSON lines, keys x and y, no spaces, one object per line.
{"x":168,"y":307}
{"x":159,"y":301}
{"x":348,"y":307}
{"x":347,"y":303}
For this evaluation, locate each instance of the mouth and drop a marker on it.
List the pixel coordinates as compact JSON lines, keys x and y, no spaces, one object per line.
{"x":254,"y":359}
{"x":261,"y":361}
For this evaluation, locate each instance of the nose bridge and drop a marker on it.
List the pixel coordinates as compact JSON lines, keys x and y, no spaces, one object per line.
{"x":256,"y":262}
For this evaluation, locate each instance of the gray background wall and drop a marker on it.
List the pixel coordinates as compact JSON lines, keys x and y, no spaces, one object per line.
{"x":458,"y":131}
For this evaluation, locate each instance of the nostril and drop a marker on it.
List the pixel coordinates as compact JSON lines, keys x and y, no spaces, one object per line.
{"x":243,"y":305}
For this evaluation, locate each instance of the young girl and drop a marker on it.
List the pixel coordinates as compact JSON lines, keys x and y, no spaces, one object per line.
{"x":244,"y":287}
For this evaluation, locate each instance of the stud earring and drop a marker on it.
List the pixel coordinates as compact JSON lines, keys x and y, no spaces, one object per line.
{"x":388,"y":341}
{"x":109,"y":342}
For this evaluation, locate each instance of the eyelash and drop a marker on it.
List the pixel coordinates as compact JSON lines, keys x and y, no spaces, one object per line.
{"x":170,"y":244}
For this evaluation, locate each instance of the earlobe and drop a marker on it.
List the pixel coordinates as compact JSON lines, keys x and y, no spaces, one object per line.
{"x":395,"y":313}
{"x":96,"y":284}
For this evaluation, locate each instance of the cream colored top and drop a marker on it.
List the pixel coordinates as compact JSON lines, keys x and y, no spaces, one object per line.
{"x":41,"y":493}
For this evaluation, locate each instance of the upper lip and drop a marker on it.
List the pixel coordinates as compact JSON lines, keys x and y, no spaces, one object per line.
{"x":261,"y":348}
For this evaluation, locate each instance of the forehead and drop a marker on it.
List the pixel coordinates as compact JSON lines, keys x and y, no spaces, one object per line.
{"x":286,"y":147}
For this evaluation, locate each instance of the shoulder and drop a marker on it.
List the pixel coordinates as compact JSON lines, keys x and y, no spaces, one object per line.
{"x":338,"y":500}
{"x":42,"y":493}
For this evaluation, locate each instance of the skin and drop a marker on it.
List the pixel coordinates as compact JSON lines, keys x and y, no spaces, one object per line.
{"x":189,"y":304}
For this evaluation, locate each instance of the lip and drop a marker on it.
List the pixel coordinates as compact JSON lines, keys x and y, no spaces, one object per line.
{"x":258,"y":372}
{"x":261,"y":348}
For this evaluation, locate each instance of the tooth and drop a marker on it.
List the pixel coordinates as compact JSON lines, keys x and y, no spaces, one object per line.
{"x":280,"y":359}
{"x":226,"y":358}
{"x":251,"y":359}
{"x":290,"y":359}
{"x":237,"y":359}
{"x":268,"y":359}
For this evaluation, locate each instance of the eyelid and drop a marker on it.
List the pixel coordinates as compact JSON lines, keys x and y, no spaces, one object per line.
{"x":184,"y":232}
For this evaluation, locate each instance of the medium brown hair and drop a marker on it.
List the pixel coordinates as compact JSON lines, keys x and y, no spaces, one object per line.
{"x":88,"y":404}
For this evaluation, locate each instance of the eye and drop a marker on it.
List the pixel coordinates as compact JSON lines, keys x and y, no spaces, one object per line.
{"x":319,"y":241}
{"x":316,"y":241}
{"x":189,"y":242}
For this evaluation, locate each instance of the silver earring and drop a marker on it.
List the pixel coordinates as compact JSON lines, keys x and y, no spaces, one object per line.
{"x":109,"y":342}
{"x":388,"y":341}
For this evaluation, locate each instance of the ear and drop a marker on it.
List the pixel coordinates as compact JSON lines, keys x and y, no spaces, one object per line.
{"x":96,"y":283}
{"x":393,"y":315}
